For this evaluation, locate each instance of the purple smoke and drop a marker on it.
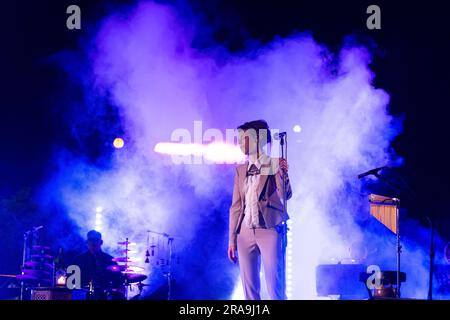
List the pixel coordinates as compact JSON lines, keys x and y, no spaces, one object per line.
{"x":144,"y":61}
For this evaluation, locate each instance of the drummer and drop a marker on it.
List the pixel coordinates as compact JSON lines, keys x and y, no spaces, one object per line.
{"x":93,"y":265}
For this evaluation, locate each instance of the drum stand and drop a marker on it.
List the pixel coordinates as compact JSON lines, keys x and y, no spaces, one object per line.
{"x":24,"y":257}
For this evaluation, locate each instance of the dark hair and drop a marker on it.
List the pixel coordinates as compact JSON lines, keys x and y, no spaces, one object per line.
{"x":94,"y":235}
{"x":260,"y":127}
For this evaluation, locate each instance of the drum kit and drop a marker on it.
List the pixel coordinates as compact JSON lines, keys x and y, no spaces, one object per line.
{"x":38,"y":266}
{"x":131,"y":274}
{"x":40,"y":269}
{"x":37,"y":270}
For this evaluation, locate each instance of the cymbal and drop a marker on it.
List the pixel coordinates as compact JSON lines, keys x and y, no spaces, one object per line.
{"x":135,"y":277}
{"x":125,"y":269}
{"x":30,"y":277}
{"x":123,"y":259}
{"x":41,"y":256}
{"x":124,"y":251}
{"x":37,"y":264}
{"x":36,"y":273}
{"x":116,"y":268}
{"x":41,"y":248}
{"x":26,"y":277}
{"x":132,"y":269}
{"x":124,"y":243}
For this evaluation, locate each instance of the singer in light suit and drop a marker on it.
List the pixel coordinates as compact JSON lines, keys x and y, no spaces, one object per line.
{"x":256,"y":214}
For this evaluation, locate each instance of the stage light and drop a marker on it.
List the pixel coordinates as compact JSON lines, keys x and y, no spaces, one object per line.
{"x":289,"y":258}
{"x":238,"y":292}
{"x":118,"y":143}
{"x":98,"y":218}
{"x":60,"y":276}
{"x":297,"y":128}
{"x":216,"y":152}
{"x":179,"y":149}
{"x":223,"y":153}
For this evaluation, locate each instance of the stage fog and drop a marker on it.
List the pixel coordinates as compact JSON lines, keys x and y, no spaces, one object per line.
{"x":153,"y":69}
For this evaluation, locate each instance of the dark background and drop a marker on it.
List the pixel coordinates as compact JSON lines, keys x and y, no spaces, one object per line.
{"x":411,"y":63}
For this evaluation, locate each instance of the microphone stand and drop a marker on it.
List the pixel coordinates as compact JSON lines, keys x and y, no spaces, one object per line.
{"x":397,"y":217}
{"x":283,"y":146}
{"x":413,"y":197}
{"x":28,"y":239}
{"x":24,"y":257}
{"x":432,"y":254}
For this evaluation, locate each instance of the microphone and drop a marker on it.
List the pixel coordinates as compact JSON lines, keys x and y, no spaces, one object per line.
{"x":373,"y":171}
{"x":279,"y":135}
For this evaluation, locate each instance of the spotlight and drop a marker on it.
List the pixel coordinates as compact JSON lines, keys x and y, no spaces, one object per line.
{"x":60,"y":278}
{"x":118,"y":143}
{"x":98,"y":218}
{"x":297,"y":128}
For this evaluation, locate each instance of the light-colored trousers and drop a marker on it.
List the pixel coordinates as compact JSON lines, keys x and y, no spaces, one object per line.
{"x":251,"y":245}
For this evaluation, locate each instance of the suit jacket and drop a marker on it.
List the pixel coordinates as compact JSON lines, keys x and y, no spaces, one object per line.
{"x":269,"y":193}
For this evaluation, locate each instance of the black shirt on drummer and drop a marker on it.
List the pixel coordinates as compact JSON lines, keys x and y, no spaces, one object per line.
{"x":94,"y":263}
